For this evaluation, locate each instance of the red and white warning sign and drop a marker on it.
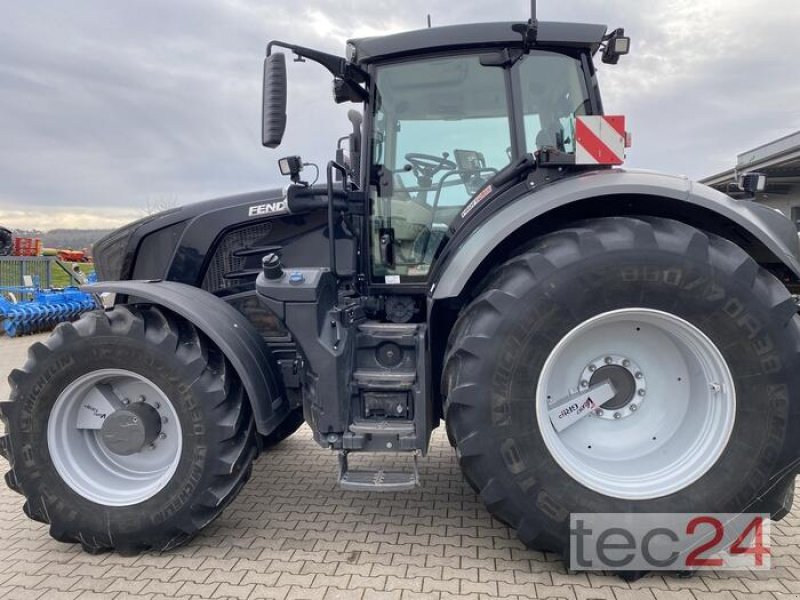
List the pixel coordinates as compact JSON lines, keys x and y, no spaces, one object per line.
{"x":600,"y":140}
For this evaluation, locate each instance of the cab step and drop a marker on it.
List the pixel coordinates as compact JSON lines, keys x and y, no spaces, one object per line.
{"x":379,"y":480}
{"x":384,"y":380}
{"x":391,"y":427}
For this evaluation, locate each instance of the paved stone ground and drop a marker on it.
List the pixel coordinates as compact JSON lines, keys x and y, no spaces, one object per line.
{"x":292,"y":534}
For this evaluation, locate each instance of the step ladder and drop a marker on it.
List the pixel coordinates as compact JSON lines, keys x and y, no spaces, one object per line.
{"x":379,"y":480}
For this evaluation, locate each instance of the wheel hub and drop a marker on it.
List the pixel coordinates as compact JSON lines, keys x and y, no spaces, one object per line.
{"x":673,"y":439}
{"x":114,"y":437}
{"x":627,"y":378}
{"x":129,"y":430}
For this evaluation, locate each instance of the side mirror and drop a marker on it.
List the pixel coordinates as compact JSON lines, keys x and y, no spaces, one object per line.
{"x":273,"y":115}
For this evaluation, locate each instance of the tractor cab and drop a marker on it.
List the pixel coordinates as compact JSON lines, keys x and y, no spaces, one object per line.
{"x":444,"y":126}
{"x":447,"y":112}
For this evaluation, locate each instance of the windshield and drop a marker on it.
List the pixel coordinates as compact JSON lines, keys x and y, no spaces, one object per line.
{"x":441,"y":129}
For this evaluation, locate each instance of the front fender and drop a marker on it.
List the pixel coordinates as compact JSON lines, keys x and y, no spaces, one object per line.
{"x":229,"y":330}
{"x":774,"y":231}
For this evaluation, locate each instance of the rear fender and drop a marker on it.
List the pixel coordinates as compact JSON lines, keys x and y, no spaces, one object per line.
{"x":228,"y":329}
{"x":770,"y":229}
{"x":491,"y":235}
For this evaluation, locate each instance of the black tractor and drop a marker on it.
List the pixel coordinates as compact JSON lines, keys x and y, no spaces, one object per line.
{"x":595,"y":340}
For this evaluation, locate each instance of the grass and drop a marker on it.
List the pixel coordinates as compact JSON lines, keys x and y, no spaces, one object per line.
{"x":59,"y":278}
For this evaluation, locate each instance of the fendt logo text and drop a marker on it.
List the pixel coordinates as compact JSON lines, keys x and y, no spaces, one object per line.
{"x":269,"y":208}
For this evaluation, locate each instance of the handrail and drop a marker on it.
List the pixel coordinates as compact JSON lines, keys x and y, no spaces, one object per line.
{"x":331,"y":220}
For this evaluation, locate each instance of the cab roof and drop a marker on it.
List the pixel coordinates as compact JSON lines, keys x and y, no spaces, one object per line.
{"x":550,"y":33}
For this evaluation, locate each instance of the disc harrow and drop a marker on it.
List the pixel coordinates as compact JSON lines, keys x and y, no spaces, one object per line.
{"x":45,"y":309}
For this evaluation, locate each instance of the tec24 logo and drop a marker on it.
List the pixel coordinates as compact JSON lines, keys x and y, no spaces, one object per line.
{"x":669,"y":541}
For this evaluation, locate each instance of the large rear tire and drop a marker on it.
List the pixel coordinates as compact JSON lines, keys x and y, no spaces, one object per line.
{"x":702,"y":341}
{"x":131,"y":366}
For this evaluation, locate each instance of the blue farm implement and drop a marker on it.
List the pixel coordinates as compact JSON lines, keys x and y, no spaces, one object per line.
{"x":45,"y":310}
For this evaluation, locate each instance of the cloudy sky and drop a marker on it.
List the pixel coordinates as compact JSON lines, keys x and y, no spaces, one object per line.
{"x":109,"y":107}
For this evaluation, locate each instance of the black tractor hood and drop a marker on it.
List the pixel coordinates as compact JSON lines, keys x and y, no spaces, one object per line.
{"x":116,"y":254}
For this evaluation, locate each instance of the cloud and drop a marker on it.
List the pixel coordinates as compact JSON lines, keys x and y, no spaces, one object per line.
{"x":77,"y":217}
{"x":106,"y":106}
{"x":705,"y":81}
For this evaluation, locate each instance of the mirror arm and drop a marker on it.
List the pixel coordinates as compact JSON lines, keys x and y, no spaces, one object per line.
{"x":337,"y":65}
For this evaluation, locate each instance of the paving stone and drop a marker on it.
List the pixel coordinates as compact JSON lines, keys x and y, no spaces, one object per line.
{"x":291,"y":534}
{"x":204,"y":590}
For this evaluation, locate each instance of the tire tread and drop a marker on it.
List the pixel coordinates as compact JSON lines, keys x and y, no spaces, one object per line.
{"x":207,"y":368}
{"x":480,"y":320}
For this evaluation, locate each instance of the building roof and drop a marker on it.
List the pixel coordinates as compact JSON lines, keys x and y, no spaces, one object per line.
{"x":779,"y":160}
{"x":579,"y":35}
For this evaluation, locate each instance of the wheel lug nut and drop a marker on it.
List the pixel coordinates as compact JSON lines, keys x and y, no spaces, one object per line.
{"x":164,"y":419}
{"x":609,"y":360}
{"x":639,"y":375}
{"x":584,"y":383}
{"x":617,"y":415}
{"x":626,"y":363}
{"x":598,"y":412}
{"x":715,"y":387}
{"x":126,"y":401}
{"x":162,"y":436}
{"x":141,"y":399}
{"x":642,"y":392}
{"x":633,"y":408}
{"x":157,"y":405}
{"x":592,"y":368}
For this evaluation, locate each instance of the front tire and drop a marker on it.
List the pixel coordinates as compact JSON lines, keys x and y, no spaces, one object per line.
{"x":109,"y":491}
{"x":506,"y":366}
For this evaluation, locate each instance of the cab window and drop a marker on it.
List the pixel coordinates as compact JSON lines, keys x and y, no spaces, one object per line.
{"x":441,"y":129}
{"x":553,"y":94}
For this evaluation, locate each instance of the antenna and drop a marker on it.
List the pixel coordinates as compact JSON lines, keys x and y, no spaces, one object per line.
{"x":528,"y":30}
{"x":429,"y":18}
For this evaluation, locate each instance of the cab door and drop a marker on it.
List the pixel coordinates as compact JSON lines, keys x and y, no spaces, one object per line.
{"x":441,"y":128}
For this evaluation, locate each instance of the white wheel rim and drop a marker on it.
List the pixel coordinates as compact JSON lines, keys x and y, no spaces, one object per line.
{"x":83,"y":460}
{"x":677,"y":431}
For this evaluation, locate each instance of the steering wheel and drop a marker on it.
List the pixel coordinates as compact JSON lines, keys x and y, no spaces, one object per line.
{"x":425,"y":166}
